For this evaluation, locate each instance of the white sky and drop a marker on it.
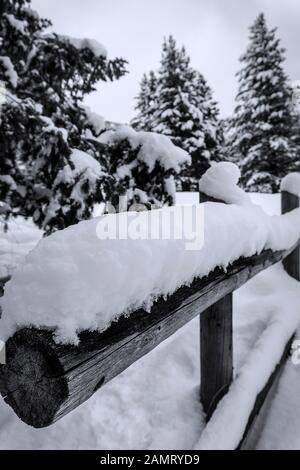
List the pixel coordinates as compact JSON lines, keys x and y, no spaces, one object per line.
{"x":215,"y":33}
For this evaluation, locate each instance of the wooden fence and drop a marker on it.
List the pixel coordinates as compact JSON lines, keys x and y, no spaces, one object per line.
{"x":44,"y":381}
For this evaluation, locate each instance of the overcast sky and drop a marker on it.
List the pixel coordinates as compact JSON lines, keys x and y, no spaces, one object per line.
{"x":215,"y":33}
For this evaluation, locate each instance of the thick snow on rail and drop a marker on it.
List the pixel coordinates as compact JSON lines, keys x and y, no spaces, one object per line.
{"x":84,"y":277}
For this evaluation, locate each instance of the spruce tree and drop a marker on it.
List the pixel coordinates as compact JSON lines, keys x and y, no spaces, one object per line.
{"x":50,"y":168}
{"x":181,"y":108}
{"x":262,"y":124}
{"x":146,"y":102}
{"x":296,"y":115}
{"x":142,"y":166}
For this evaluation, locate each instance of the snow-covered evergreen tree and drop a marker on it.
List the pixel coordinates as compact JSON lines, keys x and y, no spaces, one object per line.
{"x":296,"y":114}
{"x":50,"y":168}
{"x":262,"y":123}
{"x":142,"y":166}
{"x":181,"y":108}
{"x":146,"y":103}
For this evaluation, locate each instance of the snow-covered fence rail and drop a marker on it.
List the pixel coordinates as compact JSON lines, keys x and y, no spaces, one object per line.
{"x":43,"y":380}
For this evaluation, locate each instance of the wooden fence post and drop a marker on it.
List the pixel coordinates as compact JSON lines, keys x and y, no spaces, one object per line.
{"x":216,"y":353}
{"x":216,"y":348}
{"x":292,"y":262}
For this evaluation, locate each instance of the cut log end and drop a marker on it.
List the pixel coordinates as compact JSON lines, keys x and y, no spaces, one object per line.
{"x":31,"y":381}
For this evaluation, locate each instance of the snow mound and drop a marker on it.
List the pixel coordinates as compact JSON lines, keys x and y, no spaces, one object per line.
{"x":85,"y":43}
{"x":220,"y":182}
{"x":291,"y":184}
{"x":153,"y":147}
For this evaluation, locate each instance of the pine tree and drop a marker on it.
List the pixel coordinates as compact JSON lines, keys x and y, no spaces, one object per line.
{"x":50,"y":168}
{"x":262,"y":129}
{"x":181,"y":108}
{"x":142,"y":166}
{"x":146,"y":102}
{"x":205,"y":143}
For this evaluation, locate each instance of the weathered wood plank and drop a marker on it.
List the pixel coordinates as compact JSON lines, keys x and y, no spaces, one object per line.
{"x":43,"y":381}
{"x":216,"y":353}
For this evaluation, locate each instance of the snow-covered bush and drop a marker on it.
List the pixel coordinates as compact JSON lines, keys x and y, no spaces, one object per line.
{"x":118,"y":276}
{"x":142,"y":166}
{"x":43,"y":126}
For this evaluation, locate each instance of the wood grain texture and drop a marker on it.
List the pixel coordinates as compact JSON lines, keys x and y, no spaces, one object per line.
{"x":43,"y":381}
{"x":216,"y":353}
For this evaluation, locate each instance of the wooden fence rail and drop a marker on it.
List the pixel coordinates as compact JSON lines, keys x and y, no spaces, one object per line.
{"x":44,"y":381}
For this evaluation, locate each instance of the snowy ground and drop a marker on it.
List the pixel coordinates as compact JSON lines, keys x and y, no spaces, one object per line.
{"x":154,"y":404}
